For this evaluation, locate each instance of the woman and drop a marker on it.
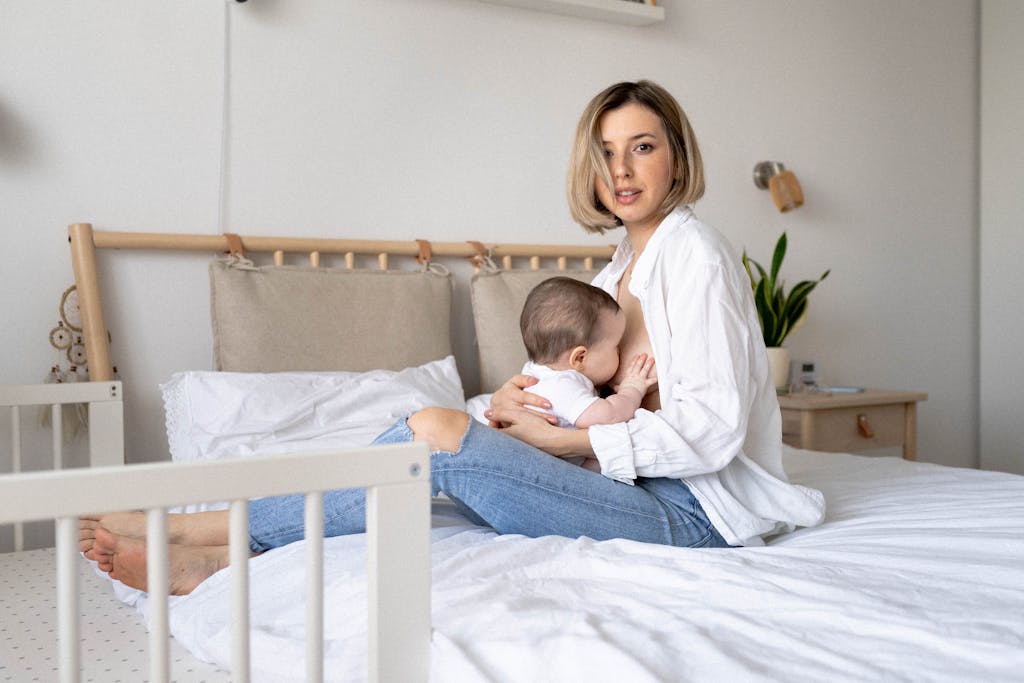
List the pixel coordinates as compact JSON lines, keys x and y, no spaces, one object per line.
{"x":699,"y":465}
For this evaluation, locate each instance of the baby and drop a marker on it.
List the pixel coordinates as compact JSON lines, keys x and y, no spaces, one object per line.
{"x":572,"y":332}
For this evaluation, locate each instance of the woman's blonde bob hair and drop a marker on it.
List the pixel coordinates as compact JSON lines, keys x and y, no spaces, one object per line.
{"x":588,"y":161}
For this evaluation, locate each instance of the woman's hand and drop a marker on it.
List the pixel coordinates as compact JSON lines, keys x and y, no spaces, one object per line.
{"x":532,"y":428}
{"x":509,"y":403}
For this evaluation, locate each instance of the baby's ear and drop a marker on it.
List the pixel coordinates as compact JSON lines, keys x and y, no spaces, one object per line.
{"x":578,"y":358}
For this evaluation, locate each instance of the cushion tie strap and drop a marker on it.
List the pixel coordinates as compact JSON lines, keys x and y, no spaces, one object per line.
{"x":424,"y":256}
{"x":234,"y":244}
{"x":482,"y":258}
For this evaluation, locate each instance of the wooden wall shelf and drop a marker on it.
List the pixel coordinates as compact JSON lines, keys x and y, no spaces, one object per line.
{"x":615,"y":11}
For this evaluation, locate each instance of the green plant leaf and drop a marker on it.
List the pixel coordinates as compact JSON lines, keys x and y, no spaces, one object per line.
{"x":780,"y":253}
{"x":764,"y":309}
{"x":760,"y":271}
{"x":746,"y":266}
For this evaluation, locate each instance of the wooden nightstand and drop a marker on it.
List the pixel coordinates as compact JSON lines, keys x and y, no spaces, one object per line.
{"x":874,"y":418}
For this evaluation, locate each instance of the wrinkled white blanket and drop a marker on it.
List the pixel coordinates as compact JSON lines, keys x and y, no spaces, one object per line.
{"x":917,"y":574}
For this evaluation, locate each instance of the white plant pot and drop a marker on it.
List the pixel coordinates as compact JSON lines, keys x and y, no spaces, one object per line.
{"x":778,"y":366}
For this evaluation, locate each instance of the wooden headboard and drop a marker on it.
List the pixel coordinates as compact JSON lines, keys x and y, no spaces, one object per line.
{"x":85,"y":241}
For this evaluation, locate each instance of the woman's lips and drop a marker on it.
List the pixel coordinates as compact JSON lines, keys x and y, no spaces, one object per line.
{"x":627,"y":195}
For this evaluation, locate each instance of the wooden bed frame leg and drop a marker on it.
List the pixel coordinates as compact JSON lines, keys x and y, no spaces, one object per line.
{"x":94,"y":328}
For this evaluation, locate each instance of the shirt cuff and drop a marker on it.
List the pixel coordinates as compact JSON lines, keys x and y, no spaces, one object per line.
{"x":614,"y":450}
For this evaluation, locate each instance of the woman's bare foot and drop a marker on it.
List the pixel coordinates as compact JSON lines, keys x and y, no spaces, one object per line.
{"x":120,"y":523}
{"x":124,"y":559}
{"x":199,"y":528}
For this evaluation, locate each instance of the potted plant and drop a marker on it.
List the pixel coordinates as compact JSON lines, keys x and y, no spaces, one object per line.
{"x":779,"y":313}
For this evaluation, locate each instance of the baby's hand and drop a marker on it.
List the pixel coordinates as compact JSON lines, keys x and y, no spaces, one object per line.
{"x":640,"y":374}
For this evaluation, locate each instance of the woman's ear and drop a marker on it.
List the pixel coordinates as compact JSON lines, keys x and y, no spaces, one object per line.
{"x":578,"y":358}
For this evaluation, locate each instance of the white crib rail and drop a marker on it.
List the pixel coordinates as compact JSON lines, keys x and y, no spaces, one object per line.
{"x":106,"y":420}
{"x":397,"y":479}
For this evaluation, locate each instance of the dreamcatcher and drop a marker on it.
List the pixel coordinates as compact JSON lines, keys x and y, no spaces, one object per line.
{"x":71,"y":361}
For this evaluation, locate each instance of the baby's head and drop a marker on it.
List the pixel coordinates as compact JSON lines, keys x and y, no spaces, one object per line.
{"x":570,"y":324}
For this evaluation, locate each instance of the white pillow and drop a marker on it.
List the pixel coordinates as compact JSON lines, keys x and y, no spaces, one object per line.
{"x":213,"y":415}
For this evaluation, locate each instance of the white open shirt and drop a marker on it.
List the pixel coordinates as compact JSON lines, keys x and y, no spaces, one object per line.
{"x":719,"y":428}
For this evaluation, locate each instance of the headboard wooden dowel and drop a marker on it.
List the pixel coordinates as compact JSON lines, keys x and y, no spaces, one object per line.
{"x":94,"y":327}
{"x":278,"y":258}
{"x":350,"y":260}
{"x":104,"y":239}
{"x":548,"y":250}
{"x":506,"y":262}
{"x":535,"y":263}
{"x":588,"y":263}
{"x":562,"y":263}
{"x":382,"y":260}
{"x":314,"y":259}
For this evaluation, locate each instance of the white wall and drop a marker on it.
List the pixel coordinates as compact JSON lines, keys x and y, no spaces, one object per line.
{"x":452,"y":119}
{"x":1002,"y":226}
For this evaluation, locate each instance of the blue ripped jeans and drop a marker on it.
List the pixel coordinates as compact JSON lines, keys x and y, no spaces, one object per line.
{"x":501,"y":482}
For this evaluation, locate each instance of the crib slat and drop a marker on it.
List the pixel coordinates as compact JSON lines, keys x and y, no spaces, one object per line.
{"x":314,"y":531}
{"x":19,"y":528}
{"x":238,"y":538}
{"x":106,"y":433}
{"x":67,"y":599}
{"x":57,"y":428}
{"x":15,"y":439}
{"x":157,"y":583}
{"x":398,"y":581}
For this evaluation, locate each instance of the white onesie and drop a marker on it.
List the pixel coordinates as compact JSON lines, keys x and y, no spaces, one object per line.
{"x":569,"y":391}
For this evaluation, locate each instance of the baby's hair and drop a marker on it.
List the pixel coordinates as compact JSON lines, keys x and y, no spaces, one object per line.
{"x":588,"y":163}
{"x":562,"y":313}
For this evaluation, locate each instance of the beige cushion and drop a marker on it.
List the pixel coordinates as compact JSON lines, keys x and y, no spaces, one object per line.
{"x":278,"y":319}
{"x":498,"y":300}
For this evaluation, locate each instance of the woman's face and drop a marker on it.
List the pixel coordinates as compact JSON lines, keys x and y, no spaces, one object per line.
{"x":639,"y":159}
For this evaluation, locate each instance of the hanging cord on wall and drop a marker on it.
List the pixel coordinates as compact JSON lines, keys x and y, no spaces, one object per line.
{"x":225,"y":123}
{"x":225,"y":130}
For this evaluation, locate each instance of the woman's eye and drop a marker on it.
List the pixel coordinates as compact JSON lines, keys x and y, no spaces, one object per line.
{"x":643,"y":147}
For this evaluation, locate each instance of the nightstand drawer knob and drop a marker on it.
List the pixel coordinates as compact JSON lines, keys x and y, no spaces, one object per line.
{"x":864,"y":428}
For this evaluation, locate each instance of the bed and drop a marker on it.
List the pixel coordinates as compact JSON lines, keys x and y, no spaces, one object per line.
{"x":916,"y":574}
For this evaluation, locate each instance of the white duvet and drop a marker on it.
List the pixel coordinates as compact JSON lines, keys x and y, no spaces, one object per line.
{"x":917,"y":574}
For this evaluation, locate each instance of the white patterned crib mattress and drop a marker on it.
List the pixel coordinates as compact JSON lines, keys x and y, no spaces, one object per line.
{"x":115,"y":645}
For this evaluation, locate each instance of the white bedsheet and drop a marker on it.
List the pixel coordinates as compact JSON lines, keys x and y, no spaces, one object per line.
{"x":917,"y":574}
